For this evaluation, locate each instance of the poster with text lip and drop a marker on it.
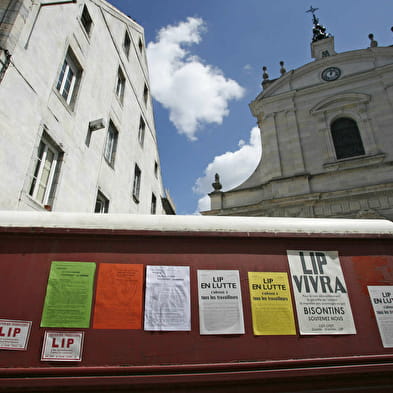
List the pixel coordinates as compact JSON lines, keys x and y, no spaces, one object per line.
{"x":14,"y":334}
{"x":62,"y":346}
{"x":381,"y":297}
{"x":271,"y":303}
{"x":69,"y":295}
{"x":118,"y":303}
{"x":220,"y":302}
{"x":321,"y":295}
{"x":167,"y":299}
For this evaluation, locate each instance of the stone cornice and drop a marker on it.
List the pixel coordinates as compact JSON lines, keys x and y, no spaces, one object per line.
{"x":262,"y":207}
{"x":340,"y":100}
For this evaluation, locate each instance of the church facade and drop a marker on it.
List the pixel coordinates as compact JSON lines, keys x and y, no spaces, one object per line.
{"x":327,"y":140}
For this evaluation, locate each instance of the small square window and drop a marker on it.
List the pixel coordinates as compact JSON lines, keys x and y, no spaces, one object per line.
{"x":69,"y":78}
{"x":127,"y":44}
{"x":153,"y":207}
{"x":86,"y":20}
{"x":145,"y":94}
{"x":111,"y":144}
{"x":141,"y":131}
{"x":46,"y":171}
{"x":120,"y":85}
{"x":102,"y":203}
{"x":137,"y":183}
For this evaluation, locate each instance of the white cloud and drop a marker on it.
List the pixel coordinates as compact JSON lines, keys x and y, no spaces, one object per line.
{"x":194,"y":93}
{"x":233,"y":168}
{"x":203,"y":204}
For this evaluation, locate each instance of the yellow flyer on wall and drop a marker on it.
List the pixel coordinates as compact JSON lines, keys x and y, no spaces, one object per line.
{"x":271,"y":304}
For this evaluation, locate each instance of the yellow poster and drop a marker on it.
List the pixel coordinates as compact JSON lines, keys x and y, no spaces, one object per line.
{"x":271,"y":304}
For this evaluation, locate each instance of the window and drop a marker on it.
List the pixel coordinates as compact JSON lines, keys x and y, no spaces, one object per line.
{"x":153,"y":204}
{"x":120,"y":85}
{"x":69,"y":78}
{"x":127,"y":44}
{"x":155,"y":169}
{"x":346,"y":138}
{"x":141,"y":131}
{"x":102,"y":203}
{"x":140,"y":45}
{"x":111,"y":144}
{"x":46,"y":171}
{"x":86,"y":20}
{"x":137,"y":183}
{"x":145,"y":94}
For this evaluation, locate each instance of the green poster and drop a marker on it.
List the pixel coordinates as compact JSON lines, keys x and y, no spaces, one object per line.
{"x":69,"y":295}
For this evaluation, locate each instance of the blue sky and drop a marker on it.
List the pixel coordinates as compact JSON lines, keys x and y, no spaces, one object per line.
{"x":205,"y":60}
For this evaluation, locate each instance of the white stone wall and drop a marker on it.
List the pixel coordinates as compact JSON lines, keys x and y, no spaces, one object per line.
{"x":30,"y":102}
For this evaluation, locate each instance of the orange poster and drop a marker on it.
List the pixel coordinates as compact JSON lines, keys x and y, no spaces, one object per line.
{"x":118,"y":297}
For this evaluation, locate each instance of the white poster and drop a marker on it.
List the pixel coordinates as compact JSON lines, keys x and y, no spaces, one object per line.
{"x":62,"y":346}
{"x":167,"y":300}
{"x":321,"y":296}
{"x":382,"y":300}
{"x":220,"y":302}
{"x":14,"y":335}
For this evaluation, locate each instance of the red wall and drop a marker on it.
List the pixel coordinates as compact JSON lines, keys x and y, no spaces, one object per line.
{"x":26,"y":256}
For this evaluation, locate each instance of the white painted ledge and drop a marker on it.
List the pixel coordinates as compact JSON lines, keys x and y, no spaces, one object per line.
{"x":162,"y":223}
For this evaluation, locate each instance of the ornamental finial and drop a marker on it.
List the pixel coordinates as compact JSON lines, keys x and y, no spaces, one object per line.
{"x":217,"y":185}
{"x":319,"y":31}
{"x":282,"y":68}
{"x":373,"y":43}
{"x":265,"y":75}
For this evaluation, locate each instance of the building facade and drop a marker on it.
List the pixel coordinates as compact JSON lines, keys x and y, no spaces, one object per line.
{"x":327,"y":141}
{"x":76,"y":116}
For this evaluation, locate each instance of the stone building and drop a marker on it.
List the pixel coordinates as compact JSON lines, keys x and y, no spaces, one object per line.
{"x":327,"y":140}
{"x":76,"y":119}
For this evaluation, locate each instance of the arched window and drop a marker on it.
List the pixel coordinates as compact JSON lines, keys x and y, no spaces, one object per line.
{"x":346,"y":138}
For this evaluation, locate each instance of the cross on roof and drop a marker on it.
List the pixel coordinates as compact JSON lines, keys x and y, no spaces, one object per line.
{"x":314,"y":18}
{"x":312,"y":10}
